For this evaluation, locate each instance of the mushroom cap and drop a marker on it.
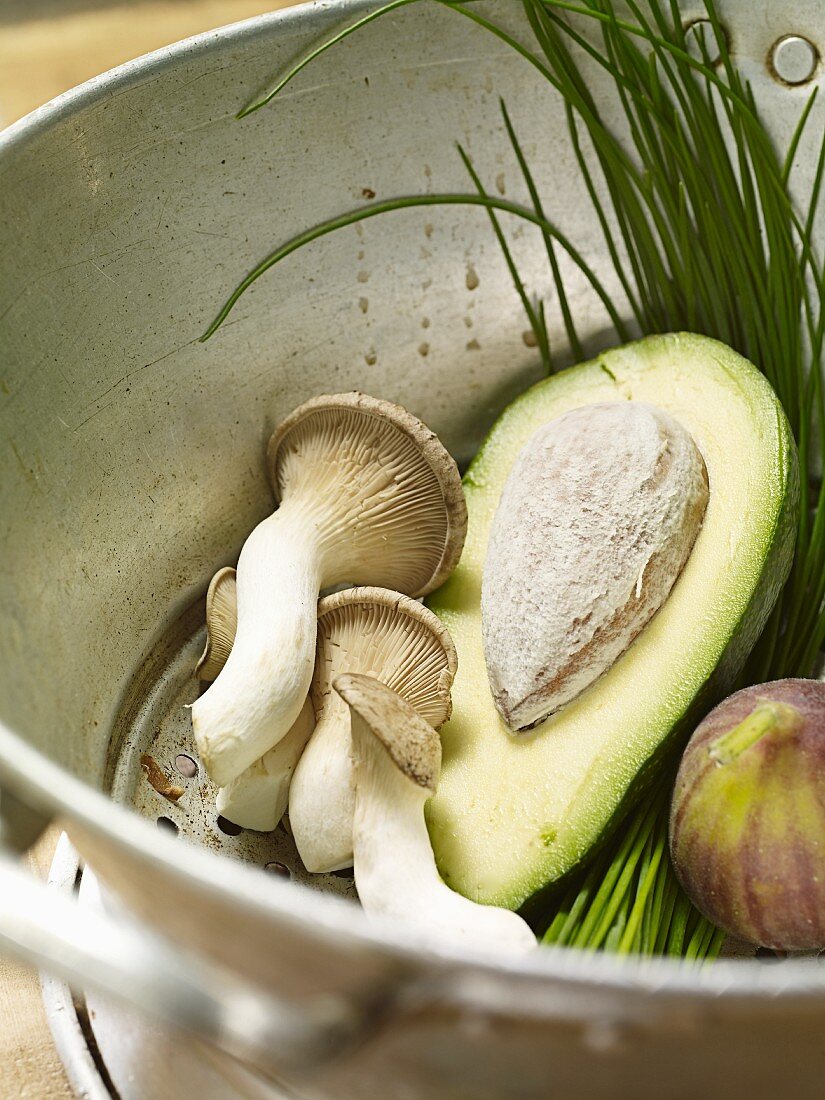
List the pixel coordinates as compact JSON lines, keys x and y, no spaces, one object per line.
{"x":394,"y":491}
{"x":392,"y":637}
{"x":411,"y":743}
{"x":221,"y":624}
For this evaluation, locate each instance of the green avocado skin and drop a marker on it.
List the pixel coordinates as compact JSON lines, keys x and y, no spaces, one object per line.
{"x":743,"y":636}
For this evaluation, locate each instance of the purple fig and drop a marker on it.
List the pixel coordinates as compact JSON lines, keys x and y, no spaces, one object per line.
{"x":747,"y":825}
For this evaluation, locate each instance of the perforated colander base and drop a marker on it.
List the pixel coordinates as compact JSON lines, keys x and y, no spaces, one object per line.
{"x":154,"y":720}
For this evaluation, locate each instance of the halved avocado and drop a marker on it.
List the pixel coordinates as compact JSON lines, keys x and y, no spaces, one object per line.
{"x":514,"y":813}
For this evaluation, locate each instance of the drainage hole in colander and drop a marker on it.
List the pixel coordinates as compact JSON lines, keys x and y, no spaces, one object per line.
{"x":167,"y":825}
{"x":276,"y":868}
{"x":228,"y":827}
{"x":187,"y":767}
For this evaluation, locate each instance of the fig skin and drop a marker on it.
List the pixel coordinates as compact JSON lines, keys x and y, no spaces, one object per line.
{"x":747,"y":830}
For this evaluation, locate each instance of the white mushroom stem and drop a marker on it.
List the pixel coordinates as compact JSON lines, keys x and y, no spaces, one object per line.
{"x":367,"y":493}
{"x":394,"y":639}
{"x":397,"y":758}
{"x":258,"y":798}
{"x":322,"y":797}
{"x":263,"y":685}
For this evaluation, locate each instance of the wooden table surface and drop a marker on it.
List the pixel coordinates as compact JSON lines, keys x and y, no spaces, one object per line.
{"x":39,"y":59}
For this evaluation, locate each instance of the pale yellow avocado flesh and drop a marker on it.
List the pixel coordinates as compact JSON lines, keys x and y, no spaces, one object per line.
{"x":515,"y":812}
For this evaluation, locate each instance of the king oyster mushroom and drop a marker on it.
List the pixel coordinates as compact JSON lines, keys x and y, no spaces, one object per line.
{"x":257,"y":798}
{"x":402,"y":644}
{"x":397,"y":757}
{"x":367,"y":494}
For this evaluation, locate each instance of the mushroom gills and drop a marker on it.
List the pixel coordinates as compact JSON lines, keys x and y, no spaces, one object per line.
{"x":597,"y":518}
{"x":376,"y":633}
{"x":397,"y":760}
{"x":221,"y":624}
{"x":367,"y":493}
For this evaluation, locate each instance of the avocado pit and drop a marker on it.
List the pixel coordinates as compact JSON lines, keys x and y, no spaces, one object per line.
{"x":595,"y":523}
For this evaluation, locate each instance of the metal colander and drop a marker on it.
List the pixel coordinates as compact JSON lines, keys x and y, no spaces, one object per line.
{"x":132,"y":470}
